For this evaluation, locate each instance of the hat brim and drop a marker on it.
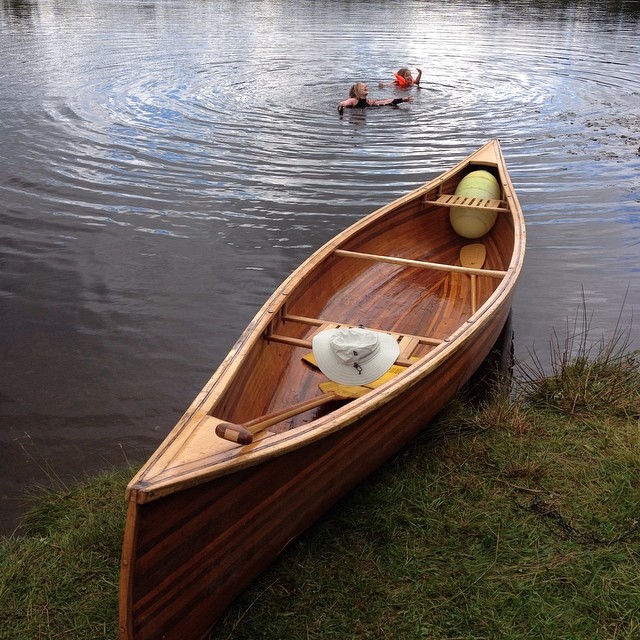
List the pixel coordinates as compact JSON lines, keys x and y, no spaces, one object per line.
{"x":347,"y":374}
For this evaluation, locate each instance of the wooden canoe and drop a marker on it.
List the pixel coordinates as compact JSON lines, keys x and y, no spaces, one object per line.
{"x":206,"y":515}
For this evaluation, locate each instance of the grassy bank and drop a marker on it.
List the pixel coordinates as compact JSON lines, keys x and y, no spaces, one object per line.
{"x":518,"y":518}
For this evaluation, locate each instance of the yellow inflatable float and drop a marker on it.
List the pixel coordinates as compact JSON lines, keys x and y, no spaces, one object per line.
{"x":474,"y":223}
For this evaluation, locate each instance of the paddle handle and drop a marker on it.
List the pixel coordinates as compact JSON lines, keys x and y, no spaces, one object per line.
{"x":472,"y":256}
{"x":243,"y":433}
{"x":474,"y":298}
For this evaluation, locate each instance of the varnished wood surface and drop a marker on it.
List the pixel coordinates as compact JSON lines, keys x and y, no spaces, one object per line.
{"x":206,"y":516}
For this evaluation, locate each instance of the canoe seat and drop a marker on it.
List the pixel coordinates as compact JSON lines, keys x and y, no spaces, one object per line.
{"x":486,"y":204}
{"x":407,"y":342}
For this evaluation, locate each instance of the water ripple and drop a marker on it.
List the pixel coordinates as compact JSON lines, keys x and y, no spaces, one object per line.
{"x":162,"y":134}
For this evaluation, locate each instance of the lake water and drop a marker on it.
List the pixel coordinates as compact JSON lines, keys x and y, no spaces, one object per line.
{"x":164,"y":164}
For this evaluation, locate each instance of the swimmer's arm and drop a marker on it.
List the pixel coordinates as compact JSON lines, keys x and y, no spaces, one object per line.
{"x":389,"y":101}
{"x":349,"y":102}
{"x":417,"y":80}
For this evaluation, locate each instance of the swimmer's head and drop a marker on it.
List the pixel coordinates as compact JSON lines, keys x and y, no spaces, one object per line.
{"x":359,"y":90}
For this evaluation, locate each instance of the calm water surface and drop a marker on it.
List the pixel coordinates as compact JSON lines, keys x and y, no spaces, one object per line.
{"x":164,"y":164}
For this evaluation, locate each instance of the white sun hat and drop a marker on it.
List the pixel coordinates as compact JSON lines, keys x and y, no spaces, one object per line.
{"x":354,"y":356}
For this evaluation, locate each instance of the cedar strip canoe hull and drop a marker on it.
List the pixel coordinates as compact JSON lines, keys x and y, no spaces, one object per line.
{"x":205,"y":516}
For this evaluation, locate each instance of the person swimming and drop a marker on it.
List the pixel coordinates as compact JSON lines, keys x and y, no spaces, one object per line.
{"x":358,"y":99}
{"x":403,"y":79}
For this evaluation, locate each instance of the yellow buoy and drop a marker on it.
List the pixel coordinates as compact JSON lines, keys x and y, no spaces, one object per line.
{"x":473,"y":223}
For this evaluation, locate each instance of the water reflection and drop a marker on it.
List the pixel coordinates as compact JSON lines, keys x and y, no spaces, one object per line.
{"x":18,"y":9}
{"x":165,"y":164}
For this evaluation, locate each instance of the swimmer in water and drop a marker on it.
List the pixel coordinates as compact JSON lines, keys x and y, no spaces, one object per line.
{"x":358,"y":98}
{"x":404,"y":79}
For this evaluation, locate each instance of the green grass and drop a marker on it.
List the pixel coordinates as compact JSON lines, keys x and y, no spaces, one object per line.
{"x":514,"y":519}
{"x":59,"y":579}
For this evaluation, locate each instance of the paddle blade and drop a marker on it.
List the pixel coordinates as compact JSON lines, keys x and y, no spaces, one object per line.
{"x":343,"y":390}
{"x":473,"y":255}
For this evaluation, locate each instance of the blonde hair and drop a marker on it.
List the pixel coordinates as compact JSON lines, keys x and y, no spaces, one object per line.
{"x":356,"y":89}
{"x":404,"y":72}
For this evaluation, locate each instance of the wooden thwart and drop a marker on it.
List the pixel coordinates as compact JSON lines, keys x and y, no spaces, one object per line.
{"x":318,"y":322}
{"x":492,"y":273}
{"x":407,"y":342}
{"x":486,"y":204}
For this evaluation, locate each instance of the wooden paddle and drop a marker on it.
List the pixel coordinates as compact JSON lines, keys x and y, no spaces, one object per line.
{"x":473,"y":255}
{"x":243,"y":433}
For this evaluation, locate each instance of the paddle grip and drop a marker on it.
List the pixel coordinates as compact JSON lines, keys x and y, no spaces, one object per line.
{"x":243,"y":434}
{"x":234,"y":433}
